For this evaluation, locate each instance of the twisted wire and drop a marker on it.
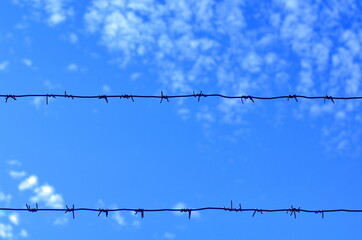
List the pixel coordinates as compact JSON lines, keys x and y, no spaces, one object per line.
{"x":167,"y":98}
{"x":292,"y":211}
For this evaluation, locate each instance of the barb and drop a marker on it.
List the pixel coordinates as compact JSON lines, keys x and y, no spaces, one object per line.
{"x":103,"y":210}
{"x":47,"y":96}
{"x":70,"y":210}
{"x":198,"y":95}
{"x":292,"y":211}
{"x":105,"y":97}
{"x":28,"y":208}
{"x":9,"y":96}
{"x":142,"y":211}
{"x":163,"y":96}
{"x":126,"y":97}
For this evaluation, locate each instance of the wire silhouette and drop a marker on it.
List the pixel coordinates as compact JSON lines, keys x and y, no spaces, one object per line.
{"x":163,"y":97}
{"x":292,"y":211}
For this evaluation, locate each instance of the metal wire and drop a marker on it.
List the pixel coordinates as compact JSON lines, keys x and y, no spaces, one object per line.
{"x":162,"y":97}
{"x":292,"y":211}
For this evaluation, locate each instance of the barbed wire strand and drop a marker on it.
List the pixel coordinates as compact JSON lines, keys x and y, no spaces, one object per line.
{"x":292,"y":211}
{"x":163,"y":97}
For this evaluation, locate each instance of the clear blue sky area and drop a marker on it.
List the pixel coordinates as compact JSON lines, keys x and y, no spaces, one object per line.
{"x":182,"y":153}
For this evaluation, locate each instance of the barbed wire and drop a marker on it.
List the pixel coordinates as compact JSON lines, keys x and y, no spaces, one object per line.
{"x":292,"y":211}
{"x":163,"y":97}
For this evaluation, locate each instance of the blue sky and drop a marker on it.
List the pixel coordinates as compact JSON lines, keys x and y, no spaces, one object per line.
{"x":182,"y":153}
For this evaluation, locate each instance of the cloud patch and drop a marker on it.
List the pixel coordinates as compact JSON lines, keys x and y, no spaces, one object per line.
{"x":17,"y":174}
{"x":5,"y":197}
{"x":6,"y":231}
{"x":14,"y":218}
{"x":27,"y":62}
{"x":46,"y":194}
{"x":28,"y":183}
{"x":238,"y":48}
{"x":56,"y":11}
{"x":4,"y":65}
{"x":72,"y":67}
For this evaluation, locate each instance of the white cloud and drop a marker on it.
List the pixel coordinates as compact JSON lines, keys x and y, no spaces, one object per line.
{"x":57,"y":11}
{"x":37,"y":102}
{"x":23,"y":233}
{"x":17,"y":174}
{"x":252,"y":62}
{"x":352,"y":42}
{"x":14,"y":218}
{"x":135,"y":76}
{"x":168,"y":235}
{"x":14,"y":162}
{"x":73,"y":38}
{"x":198,"y":44}
{"x":318,"y":109}
{"x":124,"y":28}
{"x":5,"y":197}
{"x":205,"y":115}
{"x":290,"y":4}
{"x":119,"y":219}
{"x":340,"y":115}
{"x":72,"y":67}
{"x":106,"y":88}
{"x":27,"y":62}
{"x":59,"y":221}
{"x":51,"y":86}
{"x":136,"y":223}
{"x":46,"y":194}
{"x":6,"y":231}
{"x":4,"y":65}
{"x":42,"y":194}
{"x":179,"y":205}
{"x":28,"y":183}
{"x":184,"y":113}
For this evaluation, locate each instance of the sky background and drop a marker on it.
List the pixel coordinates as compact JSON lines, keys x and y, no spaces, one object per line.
{"x":182,"y":153}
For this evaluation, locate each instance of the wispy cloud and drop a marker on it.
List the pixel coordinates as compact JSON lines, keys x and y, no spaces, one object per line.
{"x":225,"y":44}
{"x":14,"y":163}
{"x":106,"y":89}
{"x":184,"y":113}
{"x":46,"y":194}
{"x":136,"y":223}
{"x":57,"y":11}
{"x":41,"y":193}
{"x":6,"y":231}
{"x":119,"y":219}
{"x":73,"y":38}
{"x":135,"y":76}
{"x":4,"y":65}
{"x":9,"y":226}
{"x":61,"y":221}
{"x":23,"y":233}
{"x":37,"y":101}
{"x":72,"y":67}
{"x":27,"y":62}
{"x":17,"y":174}
{"x":169,"y":235}
{"x":14,"y":218}
{"x":28,"y":183}
{"x":5,"y":198}
{"x":10,"y":230}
